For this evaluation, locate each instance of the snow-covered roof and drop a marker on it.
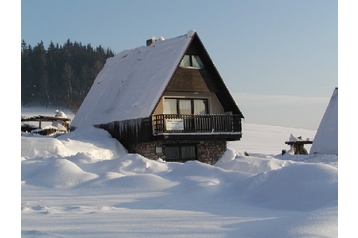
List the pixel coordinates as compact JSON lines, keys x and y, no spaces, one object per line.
{"x":326,"y":139}
{"x":119,"y":92}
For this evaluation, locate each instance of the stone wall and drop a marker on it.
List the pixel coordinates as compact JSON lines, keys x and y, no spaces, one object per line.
{"x":148,"y":149}
{"x":208,"y":151}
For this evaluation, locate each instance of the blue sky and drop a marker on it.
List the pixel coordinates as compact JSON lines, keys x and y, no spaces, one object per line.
{"x":278,"y":58}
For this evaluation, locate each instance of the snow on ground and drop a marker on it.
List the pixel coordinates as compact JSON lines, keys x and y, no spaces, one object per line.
{"x":85,"y":184}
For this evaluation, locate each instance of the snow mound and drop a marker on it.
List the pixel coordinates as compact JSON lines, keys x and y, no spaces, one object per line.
{"x":42,"y":147}
{"x":250,"y":164}
{"x":330,"y":159}
{"x":300,"y":186}
{"x":135,"y":163}
{"x":140,"y":182}
{"x":228,"y":156}
{"x":126,"y":165}
{"x":92,"y":140}
{"x":194,"y":176}
{"x":79,"y":144}
{"x":59,"y":173}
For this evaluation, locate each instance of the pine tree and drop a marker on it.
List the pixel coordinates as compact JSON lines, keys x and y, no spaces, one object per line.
{"x":60,"y":76}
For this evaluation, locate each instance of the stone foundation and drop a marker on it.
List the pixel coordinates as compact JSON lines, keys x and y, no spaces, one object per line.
{"x":207,"y":151}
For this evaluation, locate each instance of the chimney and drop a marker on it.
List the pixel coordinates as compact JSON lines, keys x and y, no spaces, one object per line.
{"x":151,"y":41}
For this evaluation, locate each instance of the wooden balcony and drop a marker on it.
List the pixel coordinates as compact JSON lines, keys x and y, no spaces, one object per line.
{"x":215,"y":124}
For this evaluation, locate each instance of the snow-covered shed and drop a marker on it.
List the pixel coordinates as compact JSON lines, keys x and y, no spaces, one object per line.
{"x":164,"y":100}
{"x":326,"y":139}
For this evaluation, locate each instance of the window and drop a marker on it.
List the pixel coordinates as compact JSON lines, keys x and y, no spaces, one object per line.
{"x":187,"y":152}
{"x":172,"y":153}
{"x":200,"y":106}
{"x":185,"y":106}
{"x":191,"y":61}
{"x":170,"y":106}
{"x":180,"y":152}
{"x":196,"y":62}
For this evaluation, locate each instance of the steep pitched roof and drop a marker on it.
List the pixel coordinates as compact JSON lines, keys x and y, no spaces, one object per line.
{"x":119,"y":91}
{"x":132,"y":82}
{"x":326,"y":139}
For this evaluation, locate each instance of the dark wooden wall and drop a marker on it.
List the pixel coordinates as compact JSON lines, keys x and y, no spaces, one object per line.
{"x":189,"y":80}
{"x":130,"y":131}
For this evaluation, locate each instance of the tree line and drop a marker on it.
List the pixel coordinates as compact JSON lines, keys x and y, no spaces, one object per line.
{"x":59,"y":76}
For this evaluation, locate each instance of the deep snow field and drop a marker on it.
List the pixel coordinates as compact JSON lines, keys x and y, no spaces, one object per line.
{"x":85,"y":184}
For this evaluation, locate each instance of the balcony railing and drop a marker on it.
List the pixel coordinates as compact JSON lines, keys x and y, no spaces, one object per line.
{"x":208,"y":123}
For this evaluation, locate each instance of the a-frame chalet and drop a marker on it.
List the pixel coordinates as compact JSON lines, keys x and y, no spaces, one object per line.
{"x":164,"y":100}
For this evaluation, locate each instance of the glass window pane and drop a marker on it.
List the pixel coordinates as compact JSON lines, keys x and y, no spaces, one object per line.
{"x":200,"y":106}
{"x":188,"y":152}
{"x":172,"y":153}
{"x":197,"y":63}
{"x":170,"y":106}
{"x":185,"y":61}
{"x":184,"y":106}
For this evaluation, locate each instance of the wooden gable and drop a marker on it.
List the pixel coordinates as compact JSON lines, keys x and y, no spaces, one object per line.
{"x":205,"y":80}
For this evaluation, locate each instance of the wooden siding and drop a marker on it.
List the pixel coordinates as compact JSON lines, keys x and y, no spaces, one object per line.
{"x":206,"y":80}
{"x":188,"y":80}
{"x":160,"y":107}
{"x":130,"y":131}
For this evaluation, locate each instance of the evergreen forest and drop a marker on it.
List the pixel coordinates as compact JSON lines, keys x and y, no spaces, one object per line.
{"x":59,"y":76}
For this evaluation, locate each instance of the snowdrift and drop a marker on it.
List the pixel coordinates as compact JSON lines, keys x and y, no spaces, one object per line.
{"x":84,"y":183}
{"x":278,"y":182}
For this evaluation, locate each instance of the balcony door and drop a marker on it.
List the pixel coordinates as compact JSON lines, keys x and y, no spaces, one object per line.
{"x":185,"y":106}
